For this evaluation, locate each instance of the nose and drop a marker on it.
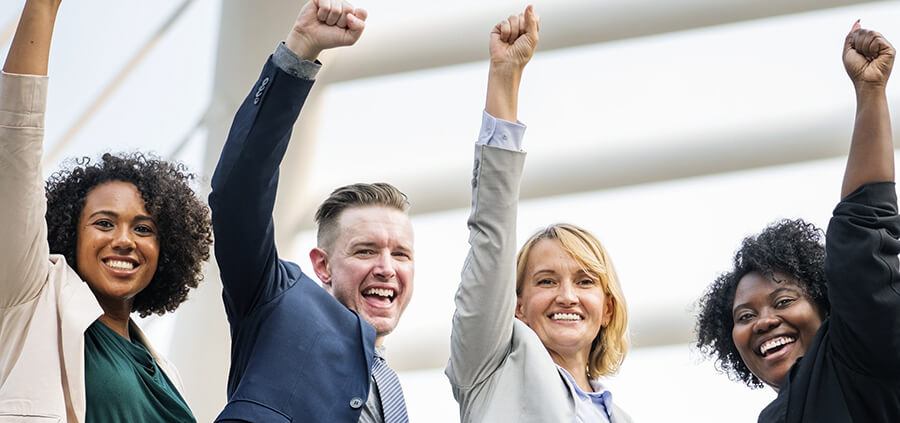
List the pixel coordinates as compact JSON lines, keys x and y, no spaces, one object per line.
{"x":766,"y":322}
{"x":384,"y":267}
{"x":123,"y":239}
{"x":565,"y":294}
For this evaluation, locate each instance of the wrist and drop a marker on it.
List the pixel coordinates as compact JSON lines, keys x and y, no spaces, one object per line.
{"x":506,"y":69}
{"x":302,"y":46}
{"x":868,"y":89}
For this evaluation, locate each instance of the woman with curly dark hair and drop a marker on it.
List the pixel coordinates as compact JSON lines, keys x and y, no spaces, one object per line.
{"x":79,"y":255}
{"x":821,"y":325}
{"x":789,"y":251}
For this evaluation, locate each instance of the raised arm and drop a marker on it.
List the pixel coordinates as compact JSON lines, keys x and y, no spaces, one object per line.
{"x":246,"y":178}
{"x":485,"y":301}
{"x":30,"y":49}
{"x":513,"y":41}
{"x":23,"y":235}
{"x":868,"y":58}
{"x":861,"y":246}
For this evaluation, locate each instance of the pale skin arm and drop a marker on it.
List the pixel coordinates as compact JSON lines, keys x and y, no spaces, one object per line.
{"x":324,"y":24}
{"x":868,"y":59}
{"x":512,"y":45}
{"x":29,"y":53}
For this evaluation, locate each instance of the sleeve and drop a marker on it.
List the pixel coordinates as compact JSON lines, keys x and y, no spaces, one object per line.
{"x":289,"y":62}
{"x":485,"y":301}
{"x":500,"y":133}
{"x":861,"y":267}
{"x":244,"y":185}
{"x":24,"y":251}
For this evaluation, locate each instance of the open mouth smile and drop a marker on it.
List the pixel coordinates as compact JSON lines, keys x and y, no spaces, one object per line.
{"x":120,"y":266}
{"x":382,"y":296}
{"x":571,"y":317}
{"x":775,"y":344}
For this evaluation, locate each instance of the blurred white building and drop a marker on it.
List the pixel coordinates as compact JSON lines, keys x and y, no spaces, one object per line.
{"x":670,"y":129}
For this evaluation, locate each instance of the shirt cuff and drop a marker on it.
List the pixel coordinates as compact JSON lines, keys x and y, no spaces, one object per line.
{"x":500,"y":133}
{"x":289,"y":62}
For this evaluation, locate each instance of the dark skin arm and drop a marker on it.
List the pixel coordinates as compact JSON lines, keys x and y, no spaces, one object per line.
{"x":868,"y":59}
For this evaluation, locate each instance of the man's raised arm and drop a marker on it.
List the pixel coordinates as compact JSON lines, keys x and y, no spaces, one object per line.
{"x":246,"y":177}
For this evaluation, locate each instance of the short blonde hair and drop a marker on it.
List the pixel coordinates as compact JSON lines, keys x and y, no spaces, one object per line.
{"x":611,"y":343}
{"x":380,"y":194}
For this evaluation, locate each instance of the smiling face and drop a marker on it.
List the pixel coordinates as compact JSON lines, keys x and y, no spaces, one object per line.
{"x":774,"y":324}
{"x":117,"y":246}
{"x":369,"y":266}
{"x":564,"y":305}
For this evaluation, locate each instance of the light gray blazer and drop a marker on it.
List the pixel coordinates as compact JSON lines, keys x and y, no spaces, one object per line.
{"x":499,"y":369}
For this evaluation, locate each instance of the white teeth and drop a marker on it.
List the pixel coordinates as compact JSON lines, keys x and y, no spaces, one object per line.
{"x":775,"y":343}
{"x":119,"y":264}
{"x":565,"y":316}
{"x":381,"y":292}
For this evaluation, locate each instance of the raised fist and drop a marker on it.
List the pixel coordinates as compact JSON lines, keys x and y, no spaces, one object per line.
{"x":514,"y":39}
{"x":868,"y":56}
{"x":324,"y":24}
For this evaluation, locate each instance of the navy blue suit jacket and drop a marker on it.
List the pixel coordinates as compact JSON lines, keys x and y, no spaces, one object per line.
{"x":297,"y":354}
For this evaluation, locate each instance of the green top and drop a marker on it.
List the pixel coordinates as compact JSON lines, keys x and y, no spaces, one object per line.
{"x":124,"y":384}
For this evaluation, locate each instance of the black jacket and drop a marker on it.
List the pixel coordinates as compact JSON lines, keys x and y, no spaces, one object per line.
{"x":851,"y":372}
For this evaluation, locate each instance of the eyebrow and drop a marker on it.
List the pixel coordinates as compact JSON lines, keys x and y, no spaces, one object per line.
{"x":116,"y":215}
{"x":774,"y":293}
{"x":543,"y":271}
{"x":370,"y":244}
{"x":404,"y":249}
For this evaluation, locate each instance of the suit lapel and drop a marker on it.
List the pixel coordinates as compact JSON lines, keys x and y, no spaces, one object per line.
{"x":367,"y":338}
{"x":616,"y":415}
{"x":78,"y":309}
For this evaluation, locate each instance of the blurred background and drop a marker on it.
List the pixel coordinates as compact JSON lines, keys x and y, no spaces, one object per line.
{"x":669,"y":128}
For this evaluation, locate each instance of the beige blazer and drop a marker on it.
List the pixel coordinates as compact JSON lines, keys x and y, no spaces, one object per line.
{"x":45,"y":307}
{"x":499,"y":369}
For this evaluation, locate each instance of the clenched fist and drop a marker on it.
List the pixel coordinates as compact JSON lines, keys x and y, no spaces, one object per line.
{"x":514,"y":39}
{"x":324,"y":24}
{"x":868,"y":57}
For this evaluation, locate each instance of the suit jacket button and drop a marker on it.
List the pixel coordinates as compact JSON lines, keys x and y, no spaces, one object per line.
{"x":356,"y":403}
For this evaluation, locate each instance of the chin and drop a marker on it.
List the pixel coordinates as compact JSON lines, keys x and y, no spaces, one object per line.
{"x":382,"y":326}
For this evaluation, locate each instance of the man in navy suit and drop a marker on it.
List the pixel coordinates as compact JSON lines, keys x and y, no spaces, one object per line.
{"x":300,"y":352}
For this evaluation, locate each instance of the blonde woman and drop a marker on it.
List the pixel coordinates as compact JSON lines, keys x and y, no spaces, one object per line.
{"x":529,"y":345}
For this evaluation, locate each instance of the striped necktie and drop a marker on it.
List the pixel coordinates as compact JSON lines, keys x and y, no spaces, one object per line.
{"x":392,"y":403}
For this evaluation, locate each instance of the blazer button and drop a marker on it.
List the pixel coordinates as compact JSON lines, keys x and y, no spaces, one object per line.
{"x":356,"y":403}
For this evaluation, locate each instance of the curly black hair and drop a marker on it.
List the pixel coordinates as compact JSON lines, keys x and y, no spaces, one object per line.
{"x":182,"y":220}
{"x":791,"y":247}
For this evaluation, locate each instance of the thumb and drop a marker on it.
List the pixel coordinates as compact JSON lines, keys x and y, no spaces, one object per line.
{"x":848,"y":42}
{"x":360,"y":13}
{"x":532,"y":21}
{"x":356,"y":22}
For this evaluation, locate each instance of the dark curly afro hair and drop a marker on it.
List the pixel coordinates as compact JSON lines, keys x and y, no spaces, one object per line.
{"x":182,"y":220}
{"x":791,"y":247}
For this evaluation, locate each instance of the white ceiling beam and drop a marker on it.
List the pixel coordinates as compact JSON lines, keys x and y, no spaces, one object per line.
{"x":391,"y":46}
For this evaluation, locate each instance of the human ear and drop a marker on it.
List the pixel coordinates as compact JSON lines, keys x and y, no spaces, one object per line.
{"x":319,"y":259}
{"x":519,"y":313}
{"x":607,"y":311}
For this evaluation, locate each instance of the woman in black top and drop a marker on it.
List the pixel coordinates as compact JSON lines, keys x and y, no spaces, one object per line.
{"x":821,"y":325}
